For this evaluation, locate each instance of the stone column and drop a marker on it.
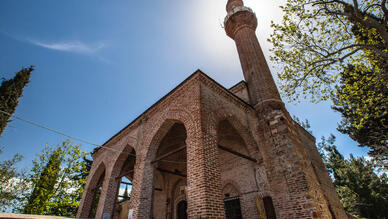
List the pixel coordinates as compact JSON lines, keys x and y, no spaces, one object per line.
{"x":85,"y":205}
{"x":95,"y":177}
{"x":108,"y":197}
{"x":142,"y":188}
{"x":204,"y":179}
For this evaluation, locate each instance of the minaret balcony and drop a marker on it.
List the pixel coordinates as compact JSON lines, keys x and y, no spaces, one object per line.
{"x":239,"y":17}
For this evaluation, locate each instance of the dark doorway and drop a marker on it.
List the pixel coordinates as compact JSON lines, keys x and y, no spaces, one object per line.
{"x":232,"y":208}
{"x":182,"y":210}
{"x":269,"y":208}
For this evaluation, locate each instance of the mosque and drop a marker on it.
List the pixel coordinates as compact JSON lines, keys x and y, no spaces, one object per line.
{"x":205,"y":151}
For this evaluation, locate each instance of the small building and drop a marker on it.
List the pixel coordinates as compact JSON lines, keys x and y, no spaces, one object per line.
{"x":204,"y":151}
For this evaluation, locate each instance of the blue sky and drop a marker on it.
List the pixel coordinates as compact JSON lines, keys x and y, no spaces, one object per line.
{"x":99,"y":64}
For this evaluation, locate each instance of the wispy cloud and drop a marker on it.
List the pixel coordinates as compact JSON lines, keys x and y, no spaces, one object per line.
{"x":70,"y":46}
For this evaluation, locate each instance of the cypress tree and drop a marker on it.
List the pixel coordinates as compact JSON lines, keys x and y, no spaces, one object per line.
{"x":126,"y":194}
{"x":10,"y":91}
{"x":44,"y":185}
{"x":56,"y":180}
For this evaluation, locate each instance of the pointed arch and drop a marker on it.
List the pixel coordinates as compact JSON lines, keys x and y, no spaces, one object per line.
{"x":232,"y":200}
{"x":127,"y":155}
{"x":159,"y":136}
{"x":95,"y":180}
{"x":164,"y":124}
{"x":123,"y":165}
{"x":230,"y":189}
{"x":178,"y":195}
{"x":241,"y":127}
{"x":234,"y":134}
{"x":153,"y":145}
{"x":98,"y":173}
{"x":163,"y":170}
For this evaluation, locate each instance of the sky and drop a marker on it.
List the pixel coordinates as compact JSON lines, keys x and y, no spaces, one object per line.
{"x":100,"y":64}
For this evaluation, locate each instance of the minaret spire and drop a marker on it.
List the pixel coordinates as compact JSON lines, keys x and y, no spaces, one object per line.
{"x":240,"y":25}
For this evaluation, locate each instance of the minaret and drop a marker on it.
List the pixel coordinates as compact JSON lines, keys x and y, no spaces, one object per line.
{"x":298,"y":182}
{"x":240,"y":25}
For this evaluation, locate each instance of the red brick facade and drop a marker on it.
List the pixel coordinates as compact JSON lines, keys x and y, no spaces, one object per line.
{"x":207,"y":146}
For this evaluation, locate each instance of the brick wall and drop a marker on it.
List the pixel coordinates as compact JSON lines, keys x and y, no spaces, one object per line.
{"x":211,"y":115}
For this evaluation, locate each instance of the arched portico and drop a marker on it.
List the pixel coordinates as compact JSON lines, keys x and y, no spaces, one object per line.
{"x":170,"y":165}
{"x":237,"y":162}
{"x":123,"y":165}
{"x":179,"y":149}
{"x":155,"y":174}
{"x":92,"y":189}
{"x":104,"y":182}
{"x":241,"y":123}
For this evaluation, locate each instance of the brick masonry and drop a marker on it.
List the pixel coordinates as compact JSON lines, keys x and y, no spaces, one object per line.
{"x":250,"y":119}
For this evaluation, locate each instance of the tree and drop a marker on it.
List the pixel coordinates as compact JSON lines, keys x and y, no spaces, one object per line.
{"x":362,"y":192}
{"x":126,"y":194}
{"x":306,"y":124}
{"x":328,"y":45}
{"x":71,"y":186}
{"x":12,"y":183}
{"x":323,"y":144}
{"x":10,"y":91}
{"x":362,"y":99}
{"x":318,"y":38}
{"x":63,"y":186}
{"x":44,"y":185}
{"x":84,"y":172}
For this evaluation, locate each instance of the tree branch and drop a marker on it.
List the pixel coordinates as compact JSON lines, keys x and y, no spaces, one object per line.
{"x":385,"y":10}
{"x":371,"y":6}
{"x":355,"y":3}
{"x":360,"y":46}
{"x":356,"y":16}
{"x":334,"y":60}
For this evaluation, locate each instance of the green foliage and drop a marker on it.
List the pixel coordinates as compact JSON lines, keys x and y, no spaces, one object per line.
{"x":323,"y":144}
{"x":306,"y":124}
{"x":338,"y":50}
{"x":362,"y":98}
{"x":362,"y":192}
{"x":44,"y":185}
{"x":316,"y":40}
{"x":126,"y":194}
{"x":12,"y":183}
{"x":10,"y":91}
{"x":58,"y":190}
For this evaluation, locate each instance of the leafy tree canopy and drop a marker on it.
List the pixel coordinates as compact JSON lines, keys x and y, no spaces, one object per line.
{"x":62,"y":187}
{"x":318,"y":38}
{"x":338,"y":50}
{"x":362,"y":99}
{"x":12,"y":183}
